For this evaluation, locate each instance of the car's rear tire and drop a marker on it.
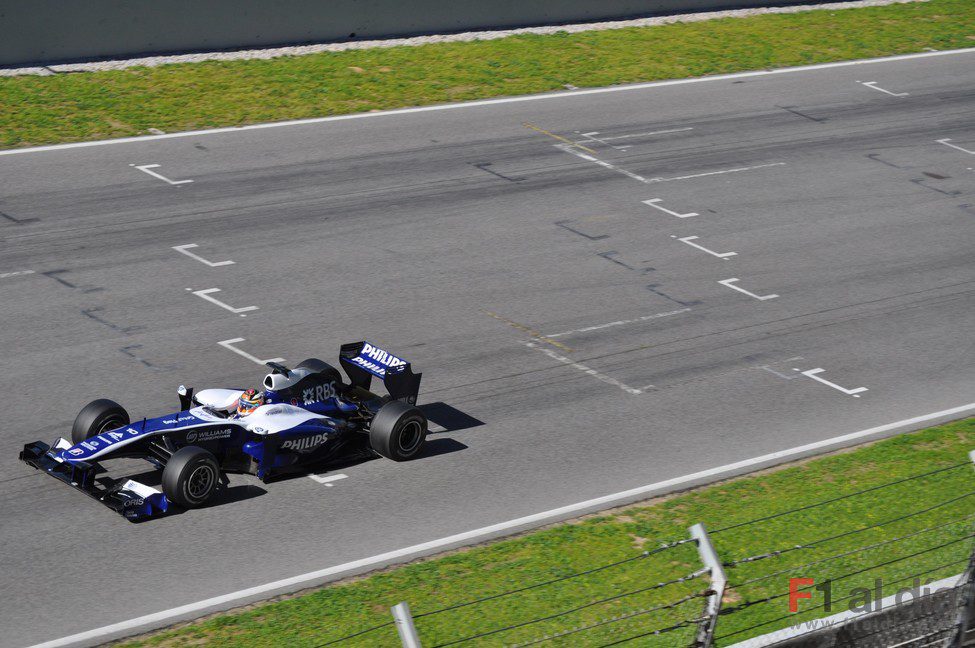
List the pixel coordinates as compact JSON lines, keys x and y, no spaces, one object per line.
{"x":191,"y":477}
{"x":322,"y":367}
{"x":398,"y":431}
{"x":96,"y":417}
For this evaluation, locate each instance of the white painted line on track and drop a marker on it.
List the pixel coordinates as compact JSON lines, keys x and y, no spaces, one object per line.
{"x":362,"y":565}
{"x":639,"y":178}
{"x":688,"y":239}
{"x":722,"y":172}
{"x":491,"y":102}
{"x":779,"y":373}
{"x":591,"y":137}
{"x":813,"y":373}
{"x":606,"y":165}
{"x":145,"y":169}
{"x":873,"y":84}
{"x":18,"y":273}
{"x":589,"y":370}
{"x":733,"y":280}
{"x":327,"y":480}
{"x":213,"y":264}
{"x":653,"y":203}
{"x":598,"y":327}
{"x":205,"y":294}
{"x":659,"y":132}
{"x":229,"y":344}
{"x":954,"y":146}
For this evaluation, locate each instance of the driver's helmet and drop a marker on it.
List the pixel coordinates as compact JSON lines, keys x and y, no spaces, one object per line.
{"x":249,"y":401}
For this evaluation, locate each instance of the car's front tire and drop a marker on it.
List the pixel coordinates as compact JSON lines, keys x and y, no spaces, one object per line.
{"x":96,"y":417}
{"x":398,"y":431}
{"x":191,"y":477}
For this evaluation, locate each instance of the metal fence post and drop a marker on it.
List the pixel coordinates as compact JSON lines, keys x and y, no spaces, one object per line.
{"x":404,"y":625}
{"x":966,"y":610}
{"x":705,"y":631}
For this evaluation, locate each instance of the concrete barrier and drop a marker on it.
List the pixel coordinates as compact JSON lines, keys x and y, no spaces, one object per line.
{"x":45,"y":31}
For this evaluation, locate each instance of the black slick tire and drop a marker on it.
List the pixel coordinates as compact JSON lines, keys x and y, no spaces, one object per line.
{"x":96,"y":417}
{"x":398,"y":431}
{"x":191,"y":477}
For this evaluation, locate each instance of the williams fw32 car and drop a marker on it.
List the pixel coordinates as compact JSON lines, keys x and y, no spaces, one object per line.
{"x":302,"y":416}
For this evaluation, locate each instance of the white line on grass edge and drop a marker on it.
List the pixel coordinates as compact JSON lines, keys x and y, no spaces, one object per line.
{"x":487,"y":102}
{"x":302,"y":581}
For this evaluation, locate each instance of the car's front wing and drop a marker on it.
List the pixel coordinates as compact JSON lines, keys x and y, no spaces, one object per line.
{"x":133,"y":500}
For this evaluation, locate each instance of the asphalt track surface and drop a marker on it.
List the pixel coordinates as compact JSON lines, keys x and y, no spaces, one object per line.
{"x":482,"y":250}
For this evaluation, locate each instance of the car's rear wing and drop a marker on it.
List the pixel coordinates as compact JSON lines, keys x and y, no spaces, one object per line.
{"x":363,"y":360}
{"x":129,"y":498}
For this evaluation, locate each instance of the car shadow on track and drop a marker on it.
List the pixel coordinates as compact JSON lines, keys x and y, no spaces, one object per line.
{"x":448,"y":417}
{"x":224,"y":496}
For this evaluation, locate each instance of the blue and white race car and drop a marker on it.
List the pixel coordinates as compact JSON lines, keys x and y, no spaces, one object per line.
{"x":303,"y":416}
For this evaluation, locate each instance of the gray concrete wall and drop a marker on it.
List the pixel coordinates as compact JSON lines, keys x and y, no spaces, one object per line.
{"x":44,"y":31}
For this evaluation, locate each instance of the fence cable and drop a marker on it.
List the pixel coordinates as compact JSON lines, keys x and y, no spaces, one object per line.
{"x":676,"y":626}
{"x":747,"y":604}
{"x":354,"y":635}
{"x":849,"y":553}
{"x":645,"y":554}
{"x":840,"y":498}
{"x":810,"y":545}
{"x":682,"y":579}
{"x":621,"y":617}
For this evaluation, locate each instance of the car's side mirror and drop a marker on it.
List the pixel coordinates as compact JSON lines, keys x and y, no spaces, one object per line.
{"x":185,"y":397}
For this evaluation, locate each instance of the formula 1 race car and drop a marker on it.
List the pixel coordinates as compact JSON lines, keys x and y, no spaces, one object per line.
{"x":308,"y":416}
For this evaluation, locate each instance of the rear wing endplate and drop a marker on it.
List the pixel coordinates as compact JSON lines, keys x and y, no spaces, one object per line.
{"x":363,"y":360}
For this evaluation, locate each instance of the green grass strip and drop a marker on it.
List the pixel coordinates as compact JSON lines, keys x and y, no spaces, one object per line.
{"x":853,"y":517}
{"x":72,"y":107}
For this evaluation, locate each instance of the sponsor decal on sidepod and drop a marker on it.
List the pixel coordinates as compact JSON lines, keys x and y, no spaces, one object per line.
{"x":305,"y":444}
{"x":208,"y":435}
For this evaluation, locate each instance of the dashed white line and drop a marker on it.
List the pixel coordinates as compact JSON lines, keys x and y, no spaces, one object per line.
{"x":730,"y":283}
{"x":18,"y":273}
{"x":229,"y":344}
{"x":213,"y":264}
{"x":954,"y":146}
{"x":598,"y":327}
{"x":606,"y":165}
{"x":873,"y":84}
{"x":205,"y":294}
{"x":145,"y":169}
{"x":653,"y":203}
{"x":779,"y":373}
{"x":589,"y":370}
{"x":812,"y":373}
{"x":591,"y":137}
{"x":688,"y":239}
{"x":481,"y":534}
{"x":659,"y":132}
{"x":327,"y":480}
{"x":711,"y":173}
{"x":639,"y":178}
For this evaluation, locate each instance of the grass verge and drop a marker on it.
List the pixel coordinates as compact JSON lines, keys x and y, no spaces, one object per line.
{"x":72,"y":107}
{"x":898,"y":529}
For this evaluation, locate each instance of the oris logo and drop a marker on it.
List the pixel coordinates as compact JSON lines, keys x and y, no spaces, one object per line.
{"x":305,"y":444}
